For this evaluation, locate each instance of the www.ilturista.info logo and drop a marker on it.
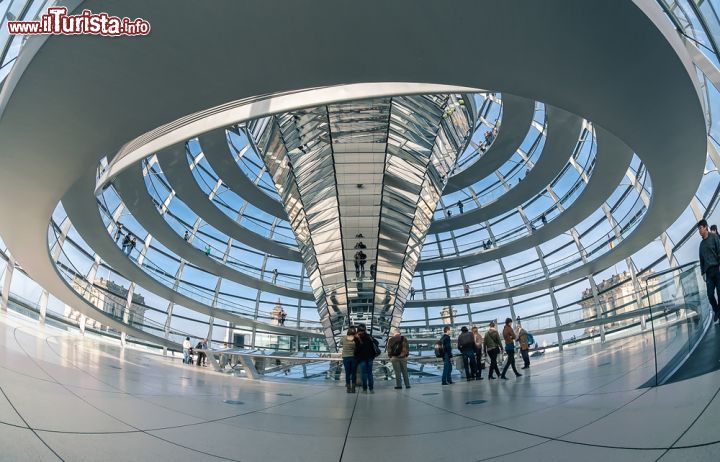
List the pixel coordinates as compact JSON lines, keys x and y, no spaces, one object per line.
{"x":57,"y":22}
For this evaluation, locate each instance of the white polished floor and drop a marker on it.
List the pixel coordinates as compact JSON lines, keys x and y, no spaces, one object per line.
{"x":68,"y":398}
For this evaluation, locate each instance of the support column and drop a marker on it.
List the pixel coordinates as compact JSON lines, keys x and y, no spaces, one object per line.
{"x":599,"y":307}
{"x":541,"y":259}
{"x":131,"y":289}
{"x":462,"y":276}
{"x":56,"y":248}
{"x":502,"y":269}
{"x":9,"y":270}
{"x":181,"y":267}
{"x":253,"y":331}
{"x":43,"y":304}
{"x":557,"y":317}
{"x":422,"y":291}
{"x":628,"y":260}
{"x":128,"y":304}
{"x":553,"y":300}
{"x":211,"y":321}
{"x":168,"y":318}
{"x":511,"y":304}
{"x":637,"y":289}
{"x":126,"y":314}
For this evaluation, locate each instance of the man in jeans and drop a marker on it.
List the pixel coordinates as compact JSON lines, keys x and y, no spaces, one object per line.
{"x":466,"y":345}
{"x":187,"y":358}
{"x":447,"y":356}
{"x":398,"y":350}
{"x":709,"y":262}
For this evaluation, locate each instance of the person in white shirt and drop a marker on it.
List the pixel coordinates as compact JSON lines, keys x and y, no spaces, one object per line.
{"x":186,"y":350}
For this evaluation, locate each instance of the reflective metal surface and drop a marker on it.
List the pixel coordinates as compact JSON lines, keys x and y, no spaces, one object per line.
{"x":360,"y":182}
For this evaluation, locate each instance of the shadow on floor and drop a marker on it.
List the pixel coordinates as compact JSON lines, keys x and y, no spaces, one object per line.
{"x":705,"y":358}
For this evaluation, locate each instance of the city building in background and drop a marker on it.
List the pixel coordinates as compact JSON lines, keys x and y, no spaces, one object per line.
{"x":111,"y":298}
{"x":618,"y":296}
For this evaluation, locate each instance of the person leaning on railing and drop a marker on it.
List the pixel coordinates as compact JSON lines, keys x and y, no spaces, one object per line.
{"x":201,"y":357}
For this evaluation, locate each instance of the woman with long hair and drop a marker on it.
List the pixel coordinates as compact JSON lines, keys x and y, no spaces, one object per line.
{"x":348,"y":358}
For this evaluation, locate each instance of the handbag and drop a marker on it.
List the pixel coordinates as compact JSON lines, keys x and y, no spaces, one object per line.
{"x":376,"y":348}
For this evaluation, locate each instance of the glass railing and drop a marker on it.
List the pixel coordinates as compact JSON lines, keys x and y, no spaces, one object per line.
{"x":134,"y":315}
{"x":664,"y":315}
{"x":110,"y":304}
{"x":494,"y":283}
{"x":489,"y":117}
{"x":464,"y":247}
{"x":202,"y":294}
{"x":498,"y":189}
{"x":168,"y":280}
{"x":197,"y":241}
{"x":679,"y":314}
{"x":478,"y":287}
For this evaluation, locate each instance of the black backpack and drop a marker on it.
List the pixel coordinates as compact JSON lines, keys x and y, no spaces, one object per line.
{"x":376,"y":347}
{"x":397,"y":347}
{"x":468,"y":341}
{"x":439,"y":349}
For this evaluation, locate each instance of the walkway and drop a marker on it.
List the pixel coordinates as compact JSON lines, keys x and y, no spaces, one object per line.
{"x":705,"y":358}
{"x":581,"y":405}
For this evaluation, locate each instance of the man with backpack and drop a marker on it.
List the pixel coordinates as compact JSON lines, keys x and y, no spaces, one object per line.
{"x":398,"y":350}
{"x":466,"y":345}
{"x":446,"y":351}
{"x":525,"y":340}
